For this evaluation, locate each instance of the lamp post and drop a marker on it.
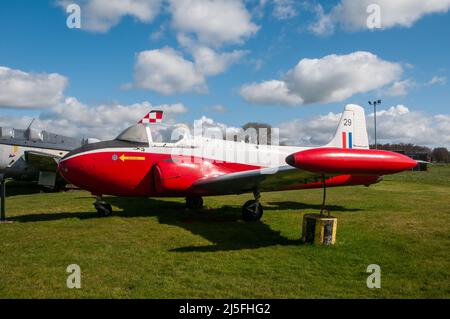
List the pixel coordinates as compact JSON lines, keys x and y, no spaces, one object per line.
{"x":374,"y":103}
{"x":2,"y":198}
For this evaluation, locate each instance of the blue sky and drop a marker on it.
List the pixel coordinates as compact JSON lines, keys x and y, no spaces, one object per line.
{"x":100,"y":66}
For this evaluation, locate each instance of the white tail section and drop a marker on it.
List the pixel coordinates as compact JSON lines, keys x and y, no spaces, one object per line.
{"x":351,"y":131}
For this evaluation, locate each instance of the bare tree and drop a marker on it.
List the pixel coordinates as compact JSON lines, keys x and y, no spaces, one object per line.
{"x":440,"y":155}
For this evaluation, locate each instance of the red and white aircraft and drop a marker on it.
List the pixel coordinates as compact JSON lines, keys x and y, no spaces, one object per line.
{"x":145,"y":160}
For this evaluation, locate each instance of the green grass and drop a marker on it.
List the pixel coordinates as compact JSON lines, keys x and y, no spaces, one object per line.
{"x":154,"y":248}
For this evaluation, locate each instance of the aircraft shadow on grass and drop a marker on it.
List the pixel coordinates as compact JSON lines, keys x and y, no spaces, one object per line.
{"x":303,"y":206}
{"x":21,"y":188}
{"x":221,"y":226}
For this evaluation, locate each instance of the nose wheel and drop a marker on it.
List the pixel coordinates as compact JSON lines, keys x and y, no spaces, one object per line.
{"x":103,"y":208}
{"x":252,"y":210}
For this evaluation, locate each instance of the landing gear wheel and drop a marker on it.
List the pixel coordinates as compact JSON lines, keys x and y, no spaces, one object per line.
{"x":103,"y":209}
{"x":252,"y":211}
{"x":195,"y":202}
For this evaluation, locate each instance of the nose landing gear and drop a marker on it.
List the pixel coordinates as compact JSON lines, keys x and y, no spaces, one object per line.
{"x":252,"y":210}
{"x":103,"y":208}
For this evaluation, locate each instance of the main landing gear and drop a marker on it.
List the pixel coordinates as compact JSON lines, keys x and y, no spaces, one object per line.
{"x":252,"y":210}
{"x":194,"y":202}
{"x":103,"y":208}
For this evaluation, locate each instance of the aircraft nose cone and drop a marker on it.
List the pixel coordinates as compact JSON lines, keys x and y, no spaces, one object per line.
{"x":297,"y":159}
{"x":64,"y":164}
{"x":65,"y":169}
{"x":76,"y":169}
{"x":290,"y":160}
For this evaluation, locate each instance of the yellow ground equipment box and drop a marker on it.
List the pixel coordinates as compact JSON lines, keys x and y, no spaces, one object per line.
{"x":319,"y":229}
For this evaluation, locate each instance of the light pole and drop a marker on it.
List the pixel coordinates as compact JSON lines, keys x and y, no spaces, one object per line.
{"x":374,"y":103}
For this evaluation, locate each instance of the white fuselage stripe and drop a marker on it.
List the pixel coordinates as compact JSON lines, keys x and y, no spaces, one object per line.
{"x":225,"y":151}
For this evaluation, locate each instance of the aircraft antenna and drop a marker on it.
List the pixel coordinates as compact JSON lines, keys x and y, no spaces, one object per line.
{"x":30,"y":123}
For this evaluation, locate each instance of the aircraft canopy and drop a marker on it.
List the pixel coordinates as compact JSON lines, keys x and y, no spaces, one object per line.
{"x":161,"y":134}
{"x":135,"y":133}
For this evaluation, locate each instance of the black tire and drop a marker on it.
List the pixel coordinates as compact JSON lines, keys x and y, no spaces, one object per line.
{"x":252,"y":212}
{"x":46,"y":189}
{"x":103,"y":210}
{"x":195,"y":202}
{"x":60,"y":186}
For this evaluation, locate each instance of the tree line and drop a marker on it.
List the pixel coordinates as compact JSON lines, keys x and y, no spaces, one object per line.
{"x":437,"y":155}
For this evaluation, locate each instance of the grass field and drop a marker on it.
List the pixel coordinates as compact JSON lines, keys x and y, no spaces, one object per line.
{"x":154,"y":248}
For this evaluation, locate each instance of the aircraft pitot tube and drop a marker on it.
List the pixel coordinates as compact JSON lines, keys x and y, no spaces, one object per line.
{"x":350,"y":161}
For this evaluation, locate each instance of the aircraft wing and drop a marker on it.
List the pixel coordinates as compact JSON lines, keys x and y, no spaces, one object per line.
{"x":266,"y":179}
{"x":42,"y":161}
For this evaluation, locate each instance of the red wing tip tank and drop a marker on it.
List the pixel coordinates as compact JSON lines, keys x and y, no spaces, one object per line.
{"x":351,"y":161}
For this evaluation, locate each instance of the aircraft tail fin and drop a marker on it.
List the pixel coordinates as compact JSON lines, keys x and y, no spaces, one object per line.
{"x":152,"y":117}
{"x":351,"y":131}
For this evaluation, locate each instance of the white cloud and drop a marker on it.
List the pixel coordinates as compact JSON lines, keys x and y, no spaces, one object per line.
{"x":317,"y":131}
{"x":73,"y":118}
{"x":352,"y":15}
{"x":258,"y":9}
{"x":210,"y":23}
{"x":281,"y":9}
{"x":217,"y":108}
{"x":332,"y":78}
{"x":392,"y":111}
{"x":284,"y":9}
{"x":206,"y":124}
{"x":214,"y":22}
{"x":102,"y":15}
{"x":400,"y":125}
{"x":166,"y":71}
{"x":396,"y":124}
{"x":30,"y":90}
{"x":158,"y":34}
{"x":209,"y":62}
{"x":441,"y":80}
{"x":270,"y":92}
{"x":324,"y":23}
{"x":400,"y":88}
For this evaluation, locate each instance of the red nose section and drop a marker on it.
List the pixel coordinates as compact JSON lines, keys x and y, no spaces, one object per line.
{"x":76,"y":170}
{"x":351,"y":161}
{"x":114,"y":173}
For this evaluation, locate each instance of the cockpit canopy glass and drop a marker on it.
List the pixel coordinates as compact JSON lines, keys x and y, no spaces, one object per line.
{"x":135,"y":133}
{"x":161,"y":134}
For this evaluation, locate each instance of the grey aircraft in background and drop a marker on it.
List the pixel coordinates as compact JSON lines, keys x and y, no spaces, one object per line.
{"x":33,"y":155}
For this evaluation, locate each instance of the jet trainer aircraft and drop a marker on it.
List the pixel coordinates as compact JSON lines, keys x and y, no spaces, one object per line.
{"x":145,"y":160}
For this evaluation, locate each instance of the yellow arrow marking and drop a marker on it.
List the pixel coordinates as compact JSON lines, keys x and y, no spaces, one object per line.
{"x":124,"y":158}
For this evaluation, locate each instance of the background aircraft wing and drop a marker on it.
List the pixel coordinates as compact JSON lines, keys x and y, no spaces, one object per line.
{"x":266,"y":179}
{"x":42,"y":161}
